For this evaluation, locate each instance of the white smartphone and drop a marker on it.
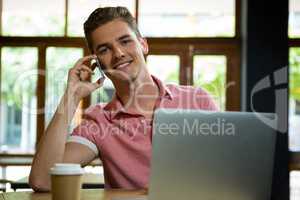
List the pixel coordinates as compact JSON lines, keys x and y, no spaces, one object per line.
{"x":98,"y":64}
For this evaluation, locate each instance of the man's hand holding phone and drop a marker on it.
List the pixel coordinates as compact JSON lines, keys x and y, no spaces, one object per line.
{"x":79,"y":85}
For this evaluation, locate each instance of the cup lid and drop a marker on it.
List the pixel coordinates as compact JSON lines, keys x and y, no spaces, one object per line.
{"x":66,"y":169}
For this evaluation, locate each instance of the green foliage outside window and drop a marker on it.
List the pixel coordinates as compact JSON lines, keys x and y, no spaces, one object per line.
{"x":294,"y":73}
{"x":16,"y":63}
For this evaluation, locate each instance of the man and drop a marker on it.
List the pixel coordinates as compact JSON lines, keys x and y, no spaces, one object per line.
{"x":120,"y":133}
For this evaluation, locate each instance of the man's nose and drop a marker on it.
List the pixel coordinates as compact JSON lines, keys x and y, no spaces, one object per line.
{"x":118,"y":52}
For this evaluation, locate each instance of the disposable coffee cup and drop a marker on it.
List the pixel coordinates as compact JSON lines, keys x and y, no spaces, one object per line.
{"x":66,"y":181}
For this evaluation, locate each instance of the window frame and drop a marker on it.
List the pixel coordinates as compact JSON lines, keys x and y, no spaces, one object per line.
{"x":185,"y":48}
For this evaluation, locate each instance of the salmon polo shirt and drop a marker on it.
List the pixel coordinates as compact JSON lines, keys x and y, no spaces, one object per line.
{"x":122,"y":138}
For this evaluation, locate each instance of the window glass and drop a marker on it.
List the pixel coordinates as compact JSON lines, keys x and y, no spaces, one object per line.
{"x":210,"y":74}
{"x":18,"y":99}
{"x":294,"y":185}
{"x":33,"y":18}
{"x":164,"y":67}
{"x":187,"y":18}
{"x":79,"y":10}
{"x":294,"y":18}
{"x":58,"y":62}
{"x":294,"y":99}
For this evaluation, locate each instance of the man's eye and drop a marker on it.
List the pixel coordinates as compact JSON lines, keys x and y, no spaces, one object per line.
{"x":125,"y":41}
{"x":102,"y":51}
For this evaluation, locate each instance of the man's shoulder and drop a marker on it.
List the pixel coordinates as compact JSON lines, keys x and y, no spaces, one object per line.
{"x":193,"y":97}
{"x":95,"y":107}
{"x":95,"y":111}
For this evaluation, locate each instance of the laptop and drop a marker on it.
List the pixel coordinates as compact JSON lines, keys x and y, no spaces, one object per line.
{"x":211,"y":155}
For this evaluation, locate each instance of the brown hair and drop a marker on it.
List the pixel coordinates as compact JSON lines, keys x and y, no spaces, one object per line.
{"x":101,"y":16}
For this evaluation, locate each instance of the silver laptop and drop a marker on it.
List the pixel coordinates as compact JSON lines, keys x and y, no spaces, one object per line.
{"x":211,"y":155}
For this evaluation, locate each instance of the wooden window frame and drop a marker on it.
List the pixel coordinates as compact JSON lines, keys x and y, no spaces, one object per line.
{"x":185,"y":48}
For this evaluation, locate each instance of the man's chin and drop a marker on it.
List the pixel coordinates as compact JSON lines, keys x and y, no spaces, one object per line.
{"x":122,"y":76}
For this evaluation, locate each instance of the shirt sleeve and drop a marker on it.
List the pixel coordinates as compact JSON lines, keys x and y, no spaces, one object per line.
{"x":85,"y":134}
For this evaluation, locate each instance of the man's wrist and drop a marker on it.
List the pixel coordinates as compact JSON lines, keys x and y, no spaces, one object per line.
{"x":70,"y":97}
{"x":67,"y":107}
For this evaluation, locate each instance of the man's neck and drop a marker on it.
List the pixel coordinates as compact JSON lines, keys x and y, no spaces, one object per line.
{"x":140,"y":94}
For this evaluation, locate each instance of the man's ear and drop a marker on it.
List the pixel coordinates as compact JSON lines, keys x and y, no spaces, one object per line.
{"x":144,"y":45}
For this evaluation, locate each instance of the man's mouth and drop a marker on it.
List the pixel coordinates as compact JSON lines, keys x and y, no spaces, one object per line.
{"x":122,"y":64}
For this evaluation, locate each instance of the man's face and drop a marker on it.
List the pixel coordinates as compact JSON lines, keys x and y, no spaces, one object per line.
{"x":119,"y":50}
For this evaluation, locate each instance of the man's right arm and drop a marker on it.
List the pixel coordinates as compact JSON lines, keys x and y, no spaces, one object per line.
{"x":52,"y":147}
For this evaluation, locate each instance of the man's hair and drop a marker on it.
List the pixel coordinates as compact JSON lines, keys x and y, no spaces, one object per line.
{"x":101,"y":16}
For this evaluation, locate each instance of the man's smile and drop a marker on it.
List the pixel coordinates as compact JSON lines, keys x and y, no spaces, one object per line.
{"x":122,"y":64}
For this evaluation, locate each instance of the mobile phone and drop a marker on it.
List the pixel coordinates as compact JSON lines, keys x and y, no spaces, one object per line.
{"x":99,"y":66}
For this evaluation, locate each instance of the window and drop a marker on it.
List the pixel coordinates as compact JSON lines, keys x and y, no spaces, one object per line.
{"x":165,"y":67}
{"x":294,"y":19}
{"x":295,"y":185}
{"x":294,"y":101}
{"x":18,"y":98}
{"x":187,"y":18}
{"x":79,"y":11}
{"x":33,"y":18}
{"x":58,"y":63}
{"x":173,"y":29}
{"x":209,"y":73}
{"x":294,"y":96}
{"x":177,"y":60}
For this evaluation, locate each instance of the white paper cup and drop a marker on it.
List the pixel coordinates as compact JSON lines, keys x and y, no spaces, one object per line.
{"x":66,"y":181}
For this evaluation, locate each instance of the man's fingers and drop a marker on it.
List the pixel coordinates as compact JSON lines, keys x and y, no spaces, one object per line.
{"x":84,"y":59}
{"x":84,"y":76}
{"x":84,"y":67}
{"x":82,"y":72}
{"x":93,"y":86}
{"x":98,"y":83}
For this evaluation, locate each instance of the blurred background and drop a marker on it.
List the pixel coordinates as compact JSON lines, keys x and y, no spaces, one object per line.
{"x":192,"y":42}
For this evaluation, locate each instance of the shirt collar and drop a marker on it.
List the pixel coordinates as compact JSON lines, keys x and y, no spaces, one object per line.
{"x":164,"y":91}
{"x":115,"y":105}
